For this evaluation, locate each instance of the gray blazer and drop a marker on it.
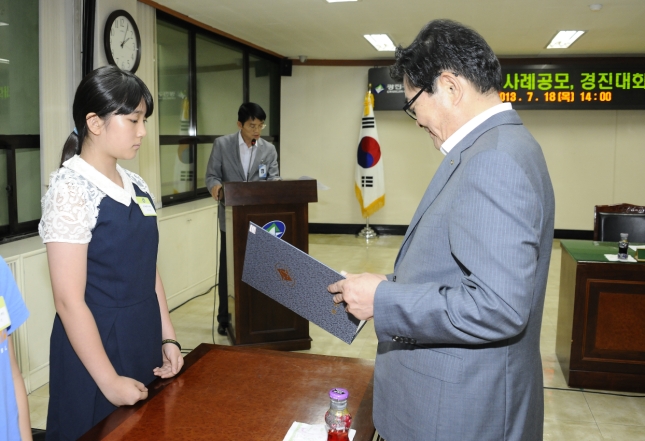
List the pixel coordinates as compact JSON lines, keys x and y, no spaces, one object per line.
{"x":225,"y":165}
{"x":458,"y":322}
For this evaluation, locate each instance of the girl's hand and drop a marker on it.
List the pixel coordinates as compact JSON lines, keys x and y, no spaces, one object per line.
{"x":172,"y":362}
{"x":125,"y":391}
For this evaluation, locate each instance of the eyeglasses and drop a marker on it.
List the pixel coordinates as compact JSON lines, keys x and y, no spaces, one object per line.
{"x":411,"y":113}
{"x":257,"y":126}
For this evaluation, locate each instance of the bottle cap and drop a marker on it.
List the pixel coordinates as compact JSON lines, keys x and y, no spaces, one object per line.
{"x":624,"y":235}
{"x":338,"y":393}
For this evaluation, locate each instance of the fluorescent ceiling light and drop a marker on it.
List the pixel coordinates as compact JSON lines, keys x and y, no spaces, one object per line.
{"x":2,"y":23}
{"x":564,"y":39}
{"x":381,"y":42}
{"x":339,"y":1}
{"x":4,"y":61}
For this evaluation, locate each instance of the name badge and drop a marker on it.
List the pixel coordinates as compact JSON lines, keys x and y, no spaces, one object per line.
{"x":146,"y":207}
{"x":5,"y":321}
{"x":263,"y":171}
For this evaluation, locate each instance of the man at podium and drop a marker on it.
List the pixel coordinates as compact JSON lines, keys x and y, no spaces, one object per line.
{"x":240,"y":156}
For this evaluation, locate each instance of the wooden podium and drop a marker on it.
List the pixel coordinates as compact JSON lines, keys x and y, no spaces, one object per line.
{"x":600,"y":340}
{"x":257,"y":320}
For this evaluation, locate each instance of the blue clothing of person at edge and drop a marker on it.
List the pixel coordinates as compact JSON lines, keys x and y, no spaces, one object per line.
{"x":10,"y":386}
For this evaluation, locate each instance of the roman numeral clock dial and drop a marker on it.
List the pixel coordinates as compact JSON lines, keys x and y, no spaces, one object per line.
{"x":122,"y":41}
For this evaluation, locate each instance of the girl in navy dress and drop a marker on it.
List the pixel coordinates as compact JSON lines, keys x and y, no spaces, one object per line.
{"x":112,"y":332}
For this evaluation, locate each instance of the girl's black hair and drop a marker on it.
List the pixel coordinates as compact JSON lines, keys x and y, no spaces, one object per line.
{"x":105,"y":91}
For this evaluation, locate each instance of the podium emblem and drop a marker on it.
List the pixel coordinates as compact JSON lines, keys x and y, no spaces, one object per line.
{"x":276,"y":228}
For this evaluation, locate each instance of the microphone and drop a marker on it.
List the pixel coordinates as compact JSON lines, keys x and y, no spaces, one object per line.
{"x":253,"y":142}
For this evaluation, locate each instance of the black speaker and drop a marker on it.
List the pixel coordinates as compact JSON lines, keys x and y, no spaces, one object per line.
{"x":261,"y":68}
{"x":285,"y":67}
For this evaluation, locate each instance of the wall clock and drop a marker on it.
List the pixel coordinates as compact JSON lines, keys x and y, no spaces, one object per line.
{"x":122,"y":41}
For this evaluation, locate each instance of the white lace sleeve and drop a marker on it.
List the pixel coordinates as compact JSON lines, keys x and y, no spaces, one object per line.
{"x":70,"y":208}
{"x":139,"y":182}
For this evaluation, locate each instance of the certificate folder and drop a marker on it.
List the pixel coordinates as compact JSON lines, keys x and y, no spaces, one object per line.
{"x":296,"y":280}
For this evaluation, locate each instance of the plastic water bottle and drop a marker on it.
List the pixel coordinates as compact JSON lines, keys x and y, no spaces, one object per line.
{"x":338,"y":418}
{"x":623,"y":245}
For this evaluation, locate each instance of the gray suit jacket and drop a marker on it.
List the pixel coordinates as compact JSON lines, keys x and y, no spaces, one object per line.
{"x":458,"y":322}
{"x":225,"y":165}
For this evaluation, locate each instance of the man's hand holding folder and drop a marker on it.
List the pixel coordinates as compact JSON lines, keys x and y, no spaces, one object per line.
{"x":357,"y":291}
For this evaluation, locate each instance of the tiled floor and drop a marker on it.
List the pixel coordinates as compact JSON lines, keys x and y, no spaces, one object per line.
{"x":570,"y":415}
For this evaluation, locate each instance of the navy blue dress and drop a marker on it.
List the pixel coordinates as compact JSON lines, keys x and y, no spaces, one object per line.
{"x":120,"y":292}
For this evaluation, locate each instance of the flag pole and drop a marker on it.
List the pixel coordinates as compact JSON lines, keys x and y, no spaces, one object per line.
{"x":368,"y":233}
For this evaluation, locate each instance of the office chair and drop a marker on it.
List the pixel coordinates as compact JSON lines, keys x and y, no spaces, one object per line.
{"x":611,"y":220}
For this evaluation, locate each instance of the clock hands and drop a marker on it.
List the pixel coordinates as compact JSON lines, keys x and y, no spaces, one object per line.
{"x":122,"y":40}
{"x":125,"y":33}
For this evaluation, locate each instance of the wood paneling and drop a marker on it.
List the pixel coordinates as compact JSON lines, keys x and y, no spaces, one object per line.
{"x":601,"y":324}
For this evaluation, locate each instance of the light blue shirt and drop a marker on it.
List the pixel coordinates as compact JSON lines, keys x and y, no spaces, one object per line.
{"x":9,"y":429}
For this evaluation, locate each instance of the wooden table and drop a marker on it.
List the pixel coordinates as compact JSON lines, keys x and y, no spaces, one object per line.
{"x":600,"y":339}
{"x":236,"y":393}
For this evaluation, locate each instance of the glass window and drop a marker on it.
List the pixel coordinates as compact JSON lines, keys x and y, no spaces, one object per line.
{"x":174,"y":79}
{"x":4,"y":194}
{"x":203,"y":79}
{"x":220,"y":87}
{"x":28,"y":188}
{"x":19,"y":106}
{"x":264,"y":89}
{"x":176,"y":159}
{"x":203,"y":153}
{"x":176,"y":169}
{"x":20,"y":186}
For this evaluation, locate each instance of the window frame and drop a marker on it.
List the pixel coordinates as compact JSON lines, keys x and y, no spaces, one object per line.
{"x":193,"y":140}
{"x":11,"y":143}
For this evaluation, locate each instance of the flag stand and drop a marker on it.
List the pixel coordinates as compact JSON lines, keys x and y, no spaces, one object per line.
{"x":368,"y":233}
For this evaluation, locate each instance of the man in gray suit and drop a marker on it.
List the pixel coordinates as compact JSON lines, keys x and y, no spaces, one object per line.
{"x":458,"y":321}
{"x":241,"y":156}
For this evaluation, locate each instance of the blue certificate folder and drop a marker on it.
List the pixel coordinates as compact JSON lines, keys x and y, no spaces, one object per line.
{"x":296,"y":280}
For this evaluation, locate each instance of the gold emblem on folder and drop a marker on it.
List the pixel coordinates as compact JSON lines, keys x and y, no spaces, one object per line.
{"x":284,"y":274}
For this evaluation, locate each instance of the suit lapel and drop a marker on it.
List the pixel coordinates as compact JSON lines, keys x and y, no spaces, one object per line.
{"x":448,"y":166}
{"x":438,"y":182}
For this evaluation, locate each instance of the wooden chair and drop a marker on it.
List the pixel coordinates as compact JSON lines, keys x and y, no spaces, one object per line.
{"x":611,"y":220}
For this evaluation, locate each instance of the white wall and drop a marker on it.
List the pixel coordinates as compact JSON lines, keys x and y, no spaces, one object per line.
{"x":594,"y":157}
{"x":103,"y":9}
{"x":59,"y":73}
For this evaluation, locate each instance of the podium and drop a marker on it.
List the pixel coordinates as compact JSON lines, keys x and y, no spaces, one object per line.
{"x":257,"y":320}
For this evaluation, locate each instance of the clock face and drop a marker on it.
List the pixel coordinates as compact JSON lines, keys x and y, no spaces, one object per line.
{"x":122,"y":41}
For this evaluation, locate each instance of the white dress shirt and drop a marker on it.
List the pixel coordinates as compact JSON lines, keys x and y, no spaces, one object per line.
{"x":246,"y":154}
{"x":471,"y":125}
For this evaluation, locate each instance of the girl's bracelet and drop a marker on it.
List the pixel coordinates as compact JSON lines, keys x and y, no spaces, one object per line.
{"x":169,"y":340}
